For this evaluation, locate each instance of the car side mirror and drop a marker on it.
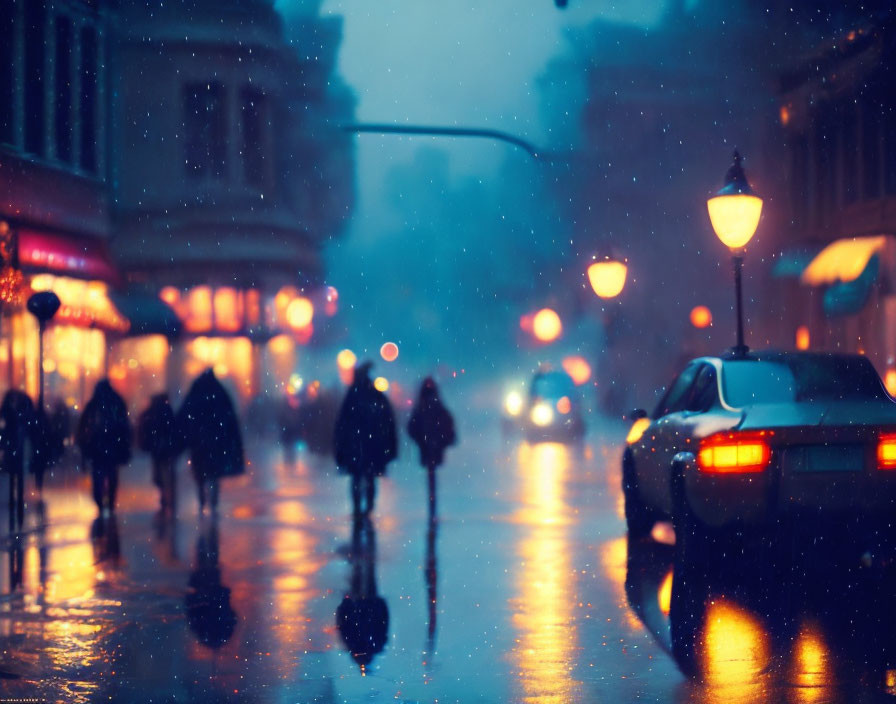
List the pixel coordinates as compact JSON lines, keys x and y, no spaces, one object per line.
{"x":637,"y":414}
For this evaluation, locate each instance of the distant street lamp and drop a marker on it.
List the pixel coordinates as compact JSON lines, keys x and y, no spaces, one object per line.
{"x":43,"y":306}
{"x":734,"y":212}
{"x":607,"y":275}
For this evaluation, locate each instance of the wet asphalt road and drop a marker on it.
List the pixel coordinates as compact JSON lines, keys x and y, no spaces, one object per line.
{"x":517,"y":592}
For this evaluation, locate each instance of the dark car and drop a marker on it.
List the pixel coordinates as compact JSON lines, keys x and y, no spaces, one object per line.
{"x":759,"y":455}
{"x":553,"y":412}
{"x":758,"y":441}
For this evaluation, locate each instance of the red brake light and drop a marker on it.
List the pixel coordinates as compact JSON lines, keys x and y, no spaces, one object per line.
{"x":738,"y":453}
{"x":886,"y":452}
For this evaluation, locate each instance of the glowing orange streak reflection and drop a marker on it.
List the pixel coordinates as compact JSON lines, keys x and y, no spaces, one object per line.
{"x":736,"y":655}
{"x":812,"y":671}
{"x":546,"y":647}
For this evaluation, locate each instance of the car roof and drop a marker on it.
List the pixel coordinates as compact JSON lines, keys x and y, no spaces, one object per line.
{"x":781,"y":357}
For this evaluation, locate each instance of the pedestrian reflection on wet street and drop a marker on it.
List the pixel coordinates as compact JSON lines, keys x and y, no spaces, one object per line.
{"x":363,"y":615}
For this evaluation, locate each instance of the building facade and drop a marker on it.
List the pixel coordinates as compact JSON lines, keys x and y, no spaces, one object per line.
{"x":55,"y":219}
{"x":167,"y":169}
{"x":210,"y":186}
{"x":838,"y":260}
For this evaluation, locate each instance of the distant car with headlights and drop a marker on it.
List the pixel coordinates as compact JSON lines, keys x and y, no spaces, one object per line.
{"x":761,"y":443}
{"x":553,"y":411}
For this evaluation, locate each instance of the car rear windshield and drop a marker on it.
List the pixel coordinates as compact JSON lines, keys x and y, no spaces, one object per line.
{"x":552,"y":385}
{"x":797,"y":378}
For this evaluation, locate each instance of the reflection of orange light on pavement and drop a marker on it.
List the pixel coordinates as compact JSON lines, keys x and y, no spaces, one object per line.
{"x":614,"y":560}
{"x":812,"y":671}
{"x":735,"y":653}
{"x":546,"y":325}
{"x":701,"y":317}
{"x":578,"y":369}
{"x":802,"y":338}
{"x":389,"y":351}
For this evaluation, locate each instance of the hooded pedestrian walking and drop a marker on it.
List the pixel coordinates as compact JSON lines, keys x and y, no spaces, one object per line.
{"x":365,"y":440}
{"x":157,"y":435}
{"x":17,"y":415}
{"x":104,"y":436}
{"x":432,"y":428}
{"x":210,"y":430}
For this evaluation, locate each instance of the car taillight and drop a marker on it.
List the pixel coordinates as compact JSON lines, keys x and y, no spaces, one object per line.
{"x":734,"y":453}
{"x":886,"y":452}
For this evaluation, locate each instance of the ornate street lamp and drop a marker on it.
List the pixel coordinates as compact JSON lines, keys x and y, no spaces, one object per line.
{"x":43,"y":306}
{"x":734,"y":212}
{"x":607,"y":275}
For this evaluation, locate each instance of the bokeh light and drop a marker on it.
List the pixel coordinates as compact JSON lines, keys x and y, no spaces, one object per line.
{"x":389,"y":351}
{"x":381,"y":384}
{"x":299,"y":313}
{"x":346,"y":361}
{"x":802,"y":338}
{"x":546,"y":325}
{"x":578,"y":369}
{"x":701,"y":317}
{"x":513,"y":403}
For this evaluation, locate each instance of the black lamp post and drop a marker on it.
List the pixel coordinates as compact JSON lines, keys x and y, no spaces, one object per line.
{"x":734,"y":212}
{"x":43,"y":305}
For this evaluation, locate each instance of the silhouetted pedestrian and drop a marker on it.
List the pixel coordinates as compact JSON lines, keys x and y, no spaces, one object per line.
{"x":432,"y":428}
{"x":17,"y":414}
{"x":208,"y":425}
{"x":365,"y":440}
{"x":362,"y":616}
{"x":104,"y":436}
{"x":157,"y":435}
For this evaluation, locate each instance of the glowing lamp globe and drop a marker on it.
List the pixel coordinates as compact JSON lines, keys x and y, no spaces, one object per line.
{"x":607,"y":276}
{"x":546,"y":325}
{"x":734,"y":211}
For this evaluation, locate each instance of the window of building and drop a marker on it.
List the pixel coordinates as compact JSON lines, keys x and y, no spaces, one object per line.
{"x":255,"y":119}
{"x":848,"y":151}
{"x":205,"y":130}
{"x":35,"y":39}
{"x":88,"y":101}
{"x":62,"y":108}
{"x":799,"y":178}
{"x":889,"y":122}
{"x":7,"y":71}
{"x":871,"y":144}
